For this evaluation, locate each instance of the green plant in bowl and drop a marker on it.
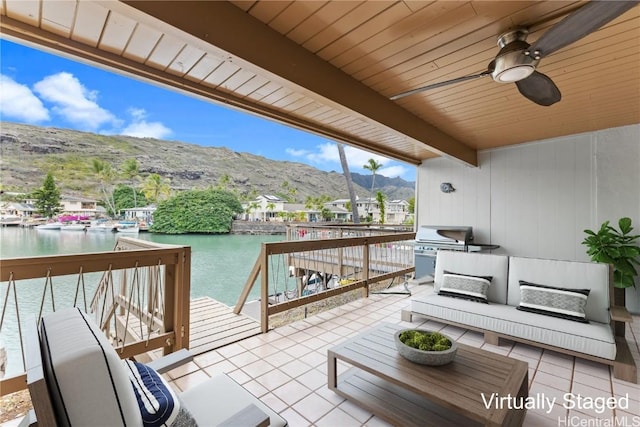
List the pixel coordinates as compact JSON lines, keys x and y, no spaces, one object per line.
{"x":426,"y":341}
{"x":425,"y":347}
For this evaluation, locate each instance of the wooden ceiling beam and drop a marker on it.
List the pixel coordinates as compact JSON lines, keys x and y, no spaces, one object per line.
{"x":228,"y":28}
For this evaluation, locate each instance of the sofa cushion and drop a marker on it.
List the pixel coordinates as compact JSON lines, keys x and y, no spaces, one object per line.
{"x":86,"y":378}
{"x":476,"y":264}
{"x":551,"y":301}
{"x":589,"y":338}
{"x":465,"y":287}
{"x":564,"y":274}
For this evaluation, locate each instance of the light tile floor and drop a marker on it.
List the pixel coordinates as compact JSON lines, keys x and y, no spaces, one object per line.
{"x":287,"y":369}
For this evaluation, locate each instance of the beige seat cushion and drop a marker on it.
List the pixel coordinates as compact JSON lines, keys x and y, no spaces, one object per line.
{"x":219,"y":398}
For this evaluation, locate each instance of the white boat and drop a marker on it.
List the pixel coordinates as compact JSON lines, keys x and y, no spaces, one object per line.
{"x":8,"y":220}
{"x":101,"y":226}
{"x":49,"y":226}
{"x":73,"y":227}
{"x":128,"y":228}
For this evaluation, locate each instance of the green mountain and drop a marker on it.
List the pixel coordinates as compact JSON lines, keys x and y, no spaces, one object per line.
{"x":28,"y":152}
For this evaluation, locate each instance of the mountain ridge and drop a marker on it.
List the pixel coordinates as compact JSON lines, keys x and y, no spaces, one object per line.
{"x":27,"y":152}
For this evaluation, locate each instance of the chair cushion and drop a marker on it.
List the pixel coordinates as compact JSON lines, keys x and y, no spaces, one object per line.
{"x":220,"y":398}
{"x":88,"y":383}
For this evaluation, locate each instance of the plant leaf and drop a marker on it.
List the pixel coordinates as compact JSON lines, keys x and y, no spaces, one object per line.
{"x":625,"y":225}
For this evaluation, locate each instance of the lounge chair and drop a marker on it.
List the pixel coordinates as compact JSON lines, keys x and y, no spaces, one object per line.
{"x":76,"y":378}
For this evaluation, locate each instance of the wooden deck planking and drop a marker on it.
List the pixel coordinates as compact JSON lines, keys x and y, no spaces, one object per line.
{"x":212,"y":325}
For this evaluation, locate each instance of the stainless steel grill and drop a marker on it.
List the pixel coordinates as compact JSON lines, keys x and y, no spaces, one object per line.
{"x":431,"y":238}
{"x":444,"y":237}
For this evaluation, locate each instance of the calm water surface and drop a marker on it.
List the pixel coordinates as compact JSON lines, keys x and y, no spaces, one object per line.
{"x":220,"y":266}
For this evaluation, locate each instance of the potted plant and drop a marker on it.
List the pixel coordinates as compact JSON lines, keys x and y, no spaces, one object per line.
{"x":618,"y":248}
{"x":425,"y":347}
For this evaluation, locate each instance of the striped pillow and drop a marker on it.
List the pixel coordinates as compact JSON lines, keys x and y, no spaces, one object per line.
{"x":472,"y":288}
{"x":159,"y":405}
{"x":552,"y":301}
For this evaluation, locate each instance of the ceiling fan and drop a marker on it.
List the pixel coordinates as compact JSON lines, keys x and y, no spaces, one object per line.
{"x":516,"y":61}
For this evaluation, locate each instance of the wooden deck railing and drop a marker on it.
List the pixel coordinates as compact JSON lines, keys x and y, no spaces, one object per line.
{"x":141,"y":295}
{"x":296,"y":273}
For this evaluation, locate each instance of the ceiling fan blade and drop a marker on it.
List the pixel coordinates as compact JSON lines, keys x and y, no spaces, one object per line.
{"x":540,"y":89}
{"x":437,"y":85}
{"x":579,"y":24}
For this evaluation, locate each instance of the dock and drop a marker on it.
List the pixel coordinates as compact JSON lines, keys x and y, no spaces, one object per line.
{"x":214,"y":325}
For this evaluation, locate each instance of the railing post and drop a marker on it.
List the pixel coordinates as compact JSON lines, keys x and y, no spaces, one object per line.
{"x":184,"y":312}
{"x":365,"y":268}
{"x":264,"y":289}
{"x":170,"y":299}
{"x":341,"y":256}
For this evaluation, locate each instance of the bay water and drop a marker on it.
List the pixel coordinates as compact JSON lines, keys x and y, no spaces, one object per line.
{"x":220,"y":266}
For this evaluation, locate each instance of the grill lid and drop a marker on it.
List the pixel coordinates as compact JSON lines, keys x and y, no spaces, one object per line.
{"x":445,"y":234}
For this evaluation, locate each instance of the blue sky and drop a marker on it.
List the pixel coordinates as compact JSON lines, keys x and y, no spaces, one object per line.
{"x":47,"y":90}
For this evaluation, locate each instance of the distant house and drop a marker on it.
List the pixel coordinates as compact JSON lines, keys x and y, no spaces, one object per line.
{"x":79,"y":206}
{"x":273,"y":208}
{"x":264,"y":208}
{"x":69,"y":205}
{"x":396,"y":211}
{"x":140,"y":214}
{"x":15,"y":209}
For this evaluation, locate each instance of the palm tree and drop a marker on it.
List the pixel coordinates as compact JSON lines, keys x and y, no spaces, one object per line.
{"x":106,"y":175}
{"x":381,"y":198}
{"x":271,"y":206}
{"x":131,"y":169}
{"x":347,"y":176}
{"x":156,"y":188}
{"x":373,"y":166}
{"x":252,"y":206}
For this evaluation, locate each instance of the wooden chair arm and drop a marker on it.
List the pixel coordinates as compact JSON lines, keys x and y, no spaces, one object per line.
{"x":171,"y":361}
{"x":250,"y":416}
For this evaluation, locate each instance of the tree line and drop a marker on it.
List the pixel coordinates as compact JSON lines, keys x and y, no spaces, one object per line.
{"x":202,"y":211}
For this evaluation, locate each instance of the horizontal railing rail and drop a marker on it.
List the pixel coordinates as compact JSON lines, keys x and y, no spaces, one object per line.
{"x":296,"y":232}
{"x":139,"y":294}
{"x":296,"y":273}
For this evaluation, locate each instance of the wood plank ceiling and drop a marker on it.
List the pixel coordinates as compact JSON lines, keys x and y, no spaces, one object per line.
{"x":329,"y":66}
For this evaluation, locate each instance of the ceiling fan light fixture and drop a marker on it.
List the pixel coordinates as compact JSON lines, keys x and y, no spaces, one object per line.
{"x":513,"y":66}
{"x":515,"y":74}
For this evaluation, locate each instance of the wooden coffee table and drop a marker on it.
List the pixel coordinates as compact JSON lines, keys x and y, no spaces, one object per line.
{"x":404,"y":393}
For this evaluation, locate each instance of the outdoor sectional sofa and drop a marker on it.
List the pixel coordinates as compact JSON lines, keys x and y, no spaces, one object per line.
{"x":539,"y":286}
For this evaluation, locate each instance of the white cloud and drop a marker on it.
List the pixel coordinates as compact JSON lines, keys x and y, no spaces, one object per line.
{"x":17,"y":101}
{"x":74,"y":102}
{"x":145,"y":129}
{"x":140,"y":128}
{"x":296,"y":153}
{"x":393,"y":171}
{"x":356,"y":158}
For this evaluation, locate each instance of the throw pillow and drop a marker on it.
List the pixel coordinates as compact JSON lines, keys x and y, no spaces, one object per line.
{"x":553,"y":301}
{"x":159,"y":405}
{"x":489,"y":278}
{"x":472,"y":288}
